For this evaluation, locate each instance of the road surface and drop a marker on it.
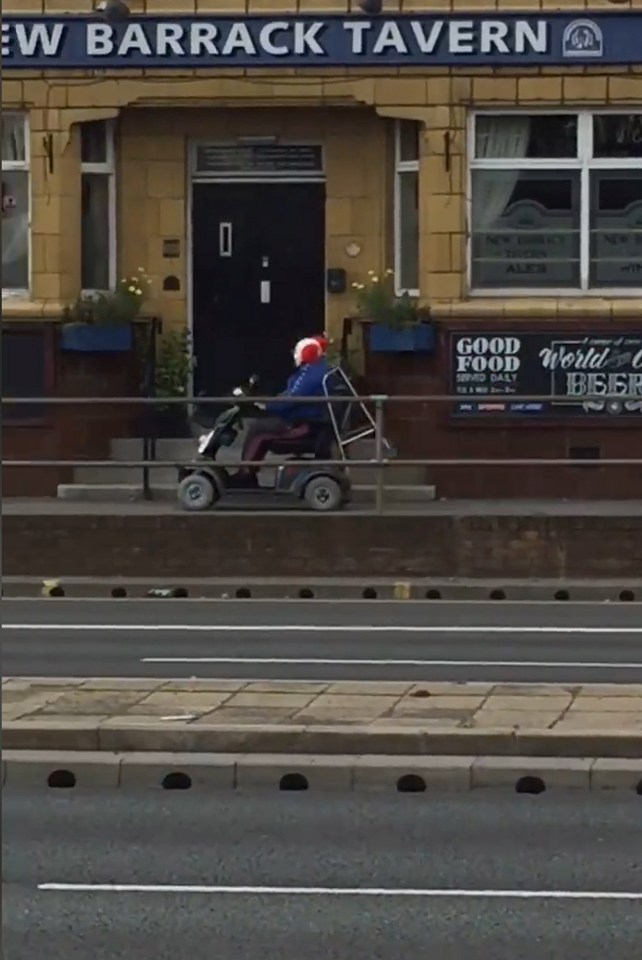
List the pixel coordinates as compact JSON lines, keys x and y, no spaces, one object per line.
{"x":317,"y":640}
{"x":266,"y":876}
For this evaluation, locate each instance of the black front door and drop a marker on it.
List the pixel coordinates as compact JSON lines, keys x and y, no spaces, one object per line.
{"x":258,"y":280}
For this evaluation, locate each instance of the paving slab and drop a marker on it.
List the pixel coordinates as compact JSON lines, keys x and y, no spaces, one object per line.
{"x":222,"y":716}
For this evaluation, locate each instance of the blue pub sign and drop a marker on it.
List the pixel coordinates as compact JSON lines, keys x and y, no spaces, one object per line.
{"x":69,"y":42}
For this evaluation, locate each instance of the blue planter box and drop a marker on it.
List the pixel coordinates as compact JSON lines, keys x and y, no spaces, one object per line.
{"x":417,"y":338}
{"x":86,"y":338}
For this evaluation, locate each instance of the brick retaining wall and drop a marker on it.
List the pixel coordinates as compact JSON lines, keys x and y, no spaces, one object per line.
{"x":305,"y":545}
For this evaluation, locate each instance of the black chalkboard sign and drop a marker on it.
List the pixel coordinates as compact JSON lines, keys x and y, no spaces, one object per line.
{"x":259,"y":158}
{"x":24,"y":370}
{"x":596,"y":374}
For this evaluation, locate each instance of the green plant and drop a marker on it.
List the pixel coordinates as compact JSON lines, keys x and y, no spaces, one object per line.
{"x":173,"y":366}
{"x":119,"y":306}
{"x":377,"y":300}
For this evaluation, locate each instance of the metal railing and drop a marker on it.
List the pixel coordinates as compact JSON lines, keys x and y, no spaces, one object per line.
{"x":381,"y":462}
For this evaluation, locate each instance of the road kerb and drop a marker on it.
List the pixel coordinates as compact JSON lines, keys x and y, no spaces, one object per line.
{"x":207,"y":772}
{"x":117,"y":736}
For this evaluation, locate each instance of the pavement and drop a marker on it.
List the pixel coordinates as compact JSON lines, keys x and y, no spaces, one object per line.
{"x":342,"y":718}
{"x":262,"y":877}
{"x":325,"y":641}
{"x":29,"y":506}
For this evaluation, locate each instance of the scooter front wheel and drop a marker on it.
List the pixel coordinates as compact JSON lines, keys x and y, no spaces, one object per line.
{"x":323,"y":494}
{"x":197,"y":492}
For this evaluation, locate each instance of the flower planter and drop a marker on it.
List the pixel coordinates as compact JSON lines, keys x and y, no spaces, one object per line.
{"x":415,"y":338}
{"x":91,"y":338}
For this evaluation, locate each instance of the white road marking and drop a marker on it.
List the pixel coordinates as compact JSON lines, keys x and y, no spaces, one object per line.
{"x":342,"y":891}
{"x":311,"y":628}
{"x":317,"y":661}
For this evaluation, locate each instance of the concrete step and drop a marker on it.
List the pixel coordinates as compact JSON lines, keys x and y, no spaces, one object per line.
{"x":105,"y":476}
{"x":126,"y":492}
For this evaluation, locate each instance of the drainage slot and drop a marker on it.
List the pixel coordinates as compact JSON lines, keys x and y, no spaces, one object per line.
{"x":56,"y":592}
{"x":118,"y":592}
{"x":433,"y":594}
{"x":176,"y":781}
{"x":562,"y":595}
{"x":497,"y":595}
{"x":530,"y":785}
{"x":306,"y":594}
{"x":638,"y":789}
{"x":61,"y":779}
{"x":181,"y":592}
{"x":411,"y":783}
{"x":243,"y":593}
{"x":369,"y":593}
{"x":627,"y":596}
{"x":293,"y":781}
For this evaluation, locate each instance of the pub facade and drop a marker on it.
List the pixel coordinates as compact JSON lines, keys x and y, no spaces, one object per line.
{"x":258,"y":160}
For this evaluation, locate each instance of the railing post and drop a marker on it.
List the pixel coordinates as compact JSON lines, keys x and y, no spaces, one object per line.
{"x":380,"y":485}
{"x":149,"y":419}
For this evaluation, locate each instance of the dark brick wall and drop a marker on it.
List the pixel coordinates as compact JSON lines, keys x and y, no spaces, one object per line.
{"x":306,"y":546}
{"x":426,"y":430}
{"x":72,"y":432}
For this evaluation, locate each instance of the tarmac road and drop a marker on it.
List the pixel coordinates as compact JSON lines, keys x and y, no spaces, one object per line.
{"x":354,"y":640}
{"x":264,"y":876}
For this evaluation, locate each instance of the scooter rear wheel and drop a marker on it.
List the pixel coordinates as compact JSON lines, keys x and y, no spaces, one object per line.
{"x":197,"y":492}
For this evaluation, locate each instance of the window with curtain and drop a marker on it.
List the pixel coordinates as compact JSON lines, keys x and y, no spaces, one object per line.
{"x":556,"y":202}
{"x":98,"y":222}
{"x":15,"y":205}
{"x":406,"y":206}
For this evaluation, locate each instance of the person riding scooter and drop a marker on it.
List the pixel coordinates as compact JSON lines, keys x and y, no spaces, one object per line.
{"x":285,"y":419}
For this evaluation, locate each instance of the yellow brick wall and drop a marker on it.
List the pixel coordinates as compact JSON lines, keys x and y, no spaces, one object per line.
{"x":153,"y":185}
{"x":152,"y":160}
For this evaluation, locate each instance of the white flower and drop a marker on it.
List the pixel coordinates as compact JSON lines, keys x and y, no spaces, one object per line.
{"x":131,"y":289}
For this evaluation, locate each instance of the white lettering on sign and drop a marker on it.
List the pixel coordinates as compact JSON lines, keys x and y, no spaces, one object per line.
{"x":134,"y":39}
{"x":306,"y":38}
{"x":461,"y":36}
{"x":563,"y":358}
{"x":414,"y":38}
{"x":239,"y":38}
{"x":390,"y":38}
{"x":266,"y":41}
{"x":603,"y":384}
{"x":427,"y":42}
{"x":168,"y":39}
{"x":529,"y":39}
{"x":358,"y":30}
{"x":488,"y":354}
{"x":201,"y":38}
{"x":99,"y":40}
{"x":493,"y":35}
{"x":32,"y":40}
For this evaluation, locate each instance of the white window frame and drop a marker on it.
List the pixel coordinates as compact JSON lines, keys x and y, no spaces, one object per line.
{"x":583,"y":162}
{"x":402,"y":167}
{"x":106,"y":168}
{"x":21,"y":293}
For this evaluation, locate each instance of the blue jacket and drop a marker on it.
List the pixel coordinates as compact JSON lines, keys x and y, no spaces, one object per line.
{"x":307,"y":381}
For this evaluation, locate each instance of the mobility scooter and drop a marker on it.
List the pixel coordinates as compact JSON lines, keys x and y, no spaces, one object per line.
{"x":206,"y":481}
